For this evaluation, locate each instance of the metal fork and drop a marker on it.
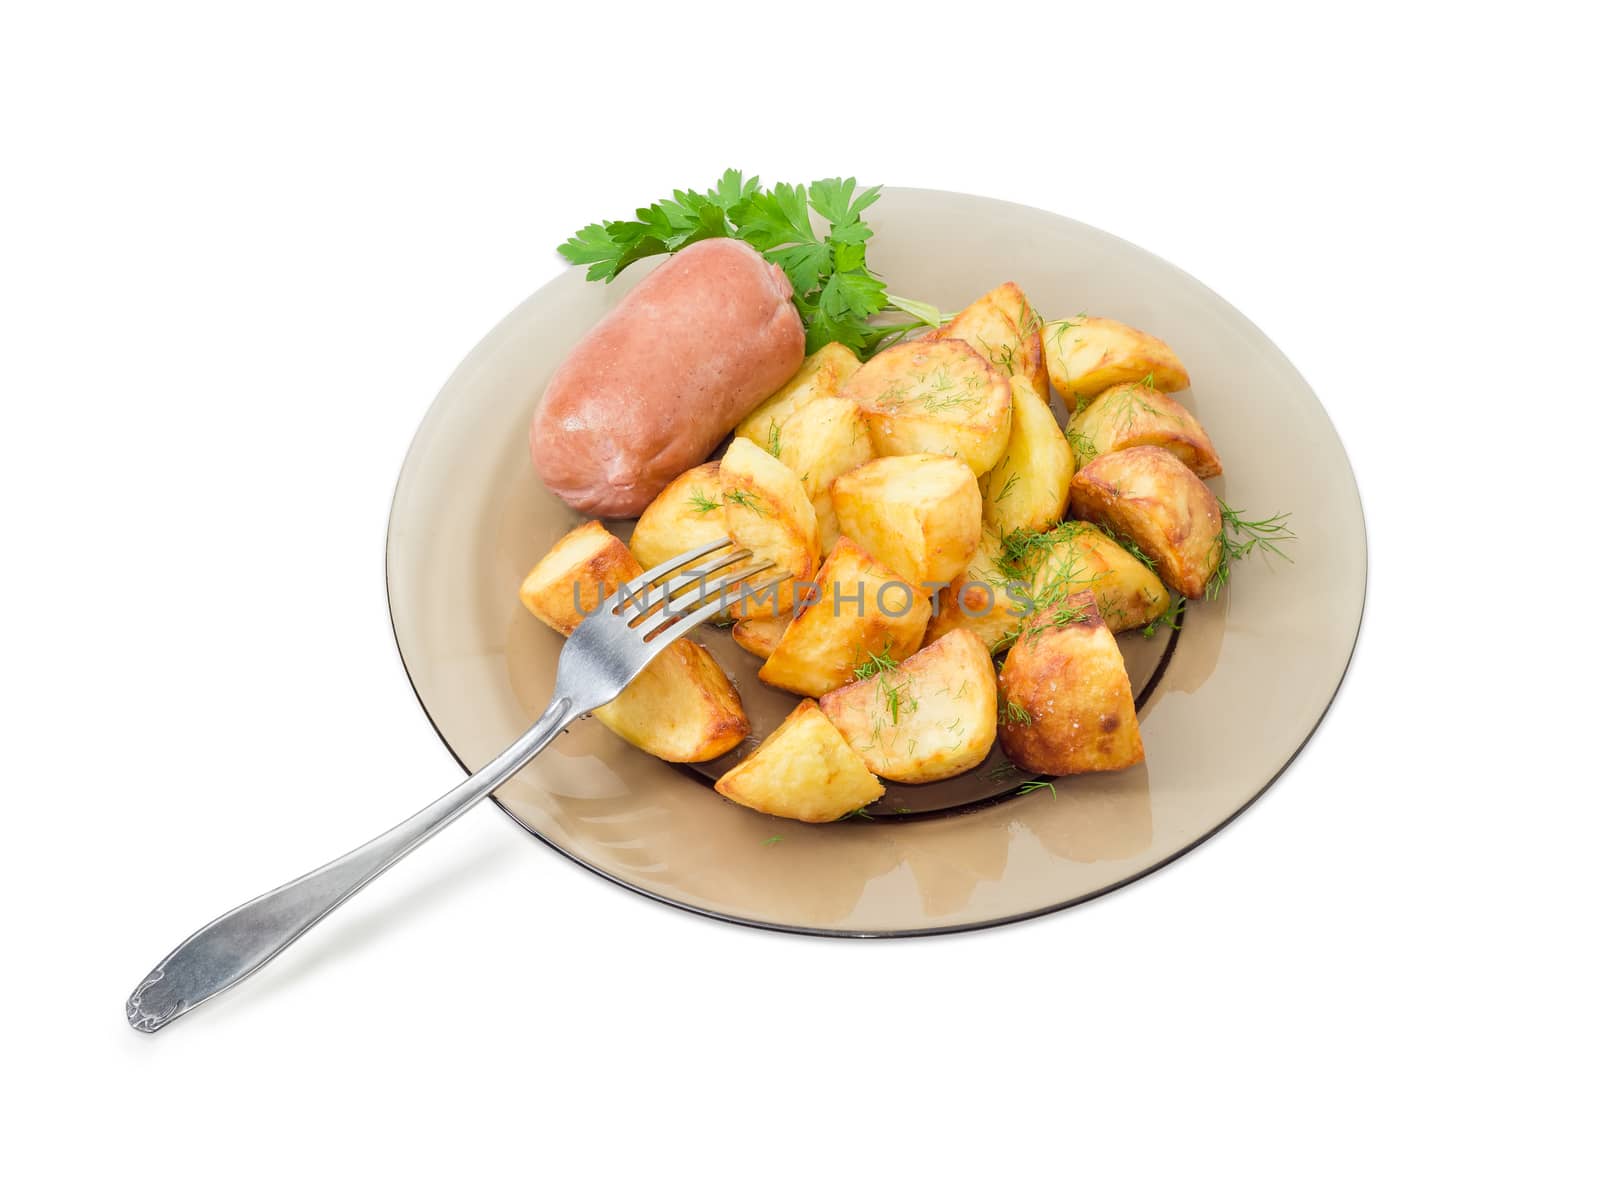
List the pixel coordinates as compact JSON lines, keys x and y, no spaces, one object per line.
{"x":608,"y":649}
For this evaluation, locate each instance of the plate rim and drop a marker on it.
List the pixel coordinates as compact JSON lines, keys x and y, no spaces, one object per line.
{"x":933,"y":930}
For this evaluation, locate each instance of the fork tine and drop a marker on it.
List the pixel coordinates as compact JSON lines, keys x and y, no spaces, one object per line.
{"x":639,"y":594}
{"x":714,"y":596}
{"x":676,"y":627}
{"x":651,"y":576}
{"x":669,"y":589}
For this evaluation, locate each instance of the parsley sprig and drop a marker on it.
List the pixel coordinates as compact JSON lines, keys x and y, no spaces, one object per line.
{"x":837,"y":295}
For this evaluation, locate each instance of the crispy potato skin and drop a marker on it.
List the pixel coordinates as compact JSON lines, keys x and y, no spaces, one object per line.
{"x":1128,"y":415}
{"x":1065,"y":702}
{"x":679,"y":519}
{"x":1085,"y":356}
{"x":819,"y":443}
{"x":981,"y":599}
{"x":863,"y":609}
{"x":760,"y":636}
{"x":804,"y":771}
{"x":1004,"y":328}
{"x":931,"y":717}
{"x":1149,"y":496}
{"x":935,"y":396}
{"x":1028,"y":488}
{"x":767,"y":512}
{"x":822,"y":374}
{"x":682,"y":707}
{"x":919,"y":514}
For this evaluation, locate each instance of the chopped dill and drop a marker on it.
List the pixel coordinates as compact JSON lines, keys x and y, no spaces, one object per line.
{"x":1171,"y":618}
{"x":702,"y":503}
{"x":745,"y":499}
{"x":1013,"y":712}
{"x":774,"y":840}
{"x":1241,"y":537}
{"x":876,"y":662}
{"x":1011,"y":482}
{"x":774,"y":439}
{"x":1033,"y":786}
{"x":1004,"y":771}
{"x":1082,"y":448}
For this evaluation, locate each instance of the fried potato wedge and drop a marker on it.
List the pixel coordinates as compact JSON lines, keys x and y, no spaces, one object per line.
{"x":1028,"y":488}
{"x":935,"y":396}
{"x":1077,"y":557}
{"x":571,"y":580}
{"x":760,"y":636}
{"x":1135,"y":414}
{"x":929,"y":717}
{"x":1004,"y":328}
{"x":819,"y":443}
{"x":687,"y":513}
{"x":821,"y":374}
{"x":919,"y":514}
{"x":1066,"y":705}
{"x":1155,"y":501}
{"x":983,"y":599}
{"x":767,"y":512}
{"x":861,"y":610}
{"x":1085,"y":356}
{"x":804,"y":771}
{"x":682,"y":707}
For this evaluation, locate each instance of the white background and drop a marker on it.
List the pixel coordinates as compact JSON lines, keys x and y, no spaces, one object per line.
{"x":243,"y":248}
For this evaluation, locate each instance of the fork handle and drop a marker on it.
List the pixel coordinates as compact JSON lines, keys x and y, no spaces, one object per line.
{"x":239,"y":943}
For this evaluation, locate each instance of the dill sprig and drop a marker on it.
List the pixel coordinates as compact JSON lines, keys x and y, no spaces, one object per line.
{"x":1015,"y":713}
{"x":1004,"y":771}
{"x":1033,"y":786}
{"x":703,"y":503}
{"x":1082,"y":448}
{"x":1132,"y":546}
{"x":1240,"y":538}
{"x":774,"y":439}
{"x":1010,"y":484}
{"x":876,"y":662}
{"x":1171,"y":618}
{"x":745,"y":499}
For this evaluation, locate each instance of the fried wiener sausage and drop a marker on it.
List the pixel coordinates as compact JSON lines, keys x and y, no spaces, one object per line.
{"x":661,"y":379}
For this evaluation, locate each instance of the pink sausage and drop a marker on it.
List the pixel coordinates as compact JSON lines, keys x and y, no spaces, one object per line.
{"x":661,"y":379}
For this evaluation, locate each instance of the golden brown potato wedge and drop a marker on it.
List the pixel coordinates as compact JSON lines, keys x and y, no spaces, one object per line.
{"x":984,"y":598}
{"x":1028,"y":488}
{"x":1155,"y":501}
{"x":1078,"y":556}
{"x":682,"y":707}
{"x":767,"y":512}
{"x":1065,"y":702}
{"x":919,"y":514}
{"x":821,"y":374}
{"x":580,"y":570}
{"x":1085,"y":356}
{"x":929,"y":717}
{"x":861,"y":610}
{"x":935,"y":396}
{"x":819,"y":443}
{"x":687,"y":513}
{"x":1135,"y":414}
{"x":804,"y":771}
{"x":1004,"y":328}
{"x":760,"y":636}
